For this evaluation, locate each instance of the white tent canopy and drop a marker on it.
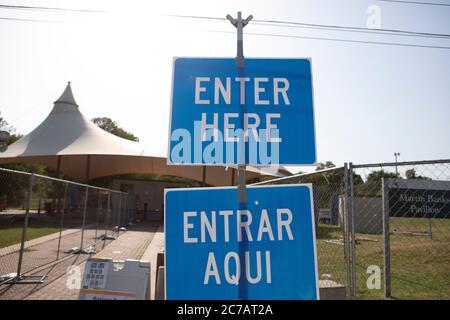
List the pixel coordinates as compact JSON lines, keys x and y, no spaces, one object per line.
{"x":71,"y":144}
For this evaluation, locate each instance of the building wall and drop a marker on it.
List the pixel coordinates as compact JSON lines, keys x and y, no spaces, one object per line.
{"x":149,"y":195}
{"x":368,"y":214}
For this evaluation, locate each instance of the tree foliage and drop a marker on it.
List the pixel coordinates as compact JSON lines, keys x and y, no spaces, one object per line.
{"x":411,"y":174}
{"x":372,"y":187}
{"x":112,"y":127}
{"x":14,"y":186}
{"x":375,"y":176}
{"x":325,"y":165}
{"x":13,"y":136}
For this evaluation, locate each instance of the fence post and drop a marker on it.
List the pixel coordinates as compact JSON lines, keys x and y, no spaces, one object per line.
{"x":62,"y":221}
{"x":120,"y":212}
{"x":108,"y":216}
{"x":346,"y":231}
{"x":25,"y":225}
{"x":386,"y":238}
{"x":352,"y":230}
{"x":125,"y":211}
{"x":99,"y":210}
{"x":84,"y":217}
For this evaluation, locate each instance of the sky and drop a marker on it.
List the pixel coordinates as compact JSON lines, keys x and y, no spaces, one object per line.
{"x":370,"y":100}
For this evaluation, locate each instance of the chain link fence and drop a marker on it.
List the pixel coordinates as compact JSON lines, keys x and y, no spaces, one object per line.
{"x":400,"y":216}
{"x":383,"y":230}
{"x":44,"y":220}
{"x":332,"y":246}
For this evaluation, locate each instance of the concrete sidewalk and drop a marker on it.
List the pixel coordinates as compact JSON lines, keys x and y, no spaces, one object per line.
{"x":16,"y":247}
{"x":157,"y":245}
{"x":43,"y":253}
{"x":129,"y":245}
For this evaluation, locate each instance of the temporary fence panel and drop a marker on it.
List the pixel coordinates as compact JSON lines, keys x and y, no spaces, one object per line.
{"x":329,"y":201}
{"x":44,"y":219}
{"x":401,"y":215}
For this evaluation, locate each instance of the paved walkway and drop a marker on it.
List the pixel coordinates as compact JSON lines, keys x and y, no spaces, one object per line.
{"x":63,"y":277}
{"x":157,"y":245}
{"x":53,"y":271}
{"x":40,"y":252}
{"x":16,"y":247}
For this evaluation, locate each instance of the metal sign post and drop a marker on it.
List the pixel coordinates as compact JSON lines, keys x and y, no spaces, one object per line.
{"x":239,"y":24}
{"x":197,"y":84}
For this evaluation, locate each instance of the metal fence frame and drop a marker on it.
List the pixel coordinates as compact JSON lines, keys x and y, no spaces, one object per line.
{"x":386,"y":230}
{"x":347,"y":184}
{"x":344,"y":185}
{"x":20,"y":276}
{"x":349,"y":232}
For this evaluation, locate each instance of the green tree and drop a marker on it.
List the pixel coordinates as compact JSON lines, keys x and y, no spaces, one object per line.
{"x":325,"y":165}
{"x":14,"y":186}
{"x":411,"y":174}
{"x":375,"y":176}
{"x":112,"y":127}
{"x":4,"y":126}
{"x":372,"y":186}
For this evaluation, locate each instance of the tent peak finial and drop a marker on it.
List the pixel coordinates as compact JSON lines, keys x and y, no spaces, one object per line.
{"x":67,"y":96}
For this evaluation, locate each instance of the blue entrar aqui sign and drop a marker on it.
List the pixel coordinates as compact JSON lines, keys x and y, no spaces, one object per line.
{"x":214,"y":250}
{"x":216,"y":106}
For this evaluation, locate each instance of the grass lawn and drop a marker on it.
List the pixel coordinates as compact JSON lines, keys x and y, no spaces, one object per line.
{"x":420,"y":265}
{"x":330,"y":256}
{"x":13,"y":235}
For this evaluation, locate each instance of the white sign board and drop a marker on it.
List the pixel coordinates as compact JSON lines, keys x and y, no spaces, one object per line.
{"x":107,"y":279}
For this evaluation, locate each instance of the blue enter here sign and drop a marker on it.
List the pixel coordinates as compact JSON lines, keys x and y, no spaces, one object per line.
{"x":260,"y":114}
{"x":218,"y":250}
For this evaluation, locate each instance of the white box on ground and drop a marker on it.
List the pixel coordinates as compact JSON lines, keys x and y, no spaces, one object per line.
{"x":108,"y":279}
